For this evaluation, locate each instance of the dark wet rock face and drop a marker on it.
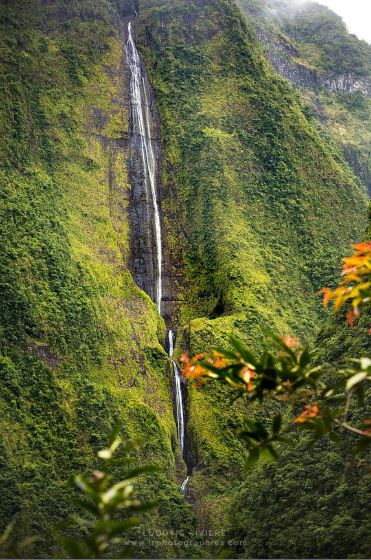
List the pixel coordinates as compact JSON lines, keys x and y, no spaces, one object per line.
{"x":143,"y":257}
{"x":144,"y":261}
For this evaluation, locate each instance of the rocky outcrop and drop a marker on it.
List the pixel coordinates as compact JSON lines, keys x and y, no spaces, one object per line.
{"x":284,"y":59}
{"x":345,"y":83}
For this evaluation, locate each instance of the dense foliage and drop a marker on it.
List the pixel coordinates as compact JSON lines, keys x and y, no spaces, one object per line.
{"x":79,"y":343}
{"x":252,"y":193}
{"x":110,"y":507}
{"x":339,"y":51}
{"x":257,"y":210}
{"x":290,"y":376}
{"x":312,"y":48}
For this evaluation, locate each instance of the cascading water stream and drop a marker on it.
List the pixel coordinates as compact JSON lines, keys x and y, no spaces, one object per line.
{"x":142,"y":130}
{"x":178,"y":394}
{"x":179,"y":403}
{"x":184,"y":485}
{"x":141,"y":126}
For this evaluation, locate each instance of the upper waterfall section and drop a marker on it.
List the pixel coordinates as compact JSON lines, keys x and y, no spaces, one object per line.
{"x":146,"y":244}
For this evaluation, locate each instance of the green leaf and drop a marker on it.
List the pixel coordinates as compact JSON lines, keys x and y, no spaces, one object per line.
{"x":305,"y":358}
{"x":268,"y":362}
{"x":115,"y":433}
{"x":249,"y":425}
{"x":269,"y":454}
{"x":105,"y":454}
{"x":243,"y":351}
{"x":252,"y":457}
{"x":355,"y":379}
{"x":114,"y":527}
{"x":365,"y":363}
{"x":226,"y":353}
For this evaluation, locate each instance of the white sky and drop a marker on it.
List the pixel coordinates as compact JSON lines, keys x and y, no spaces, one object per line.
{"x":355,"y":13}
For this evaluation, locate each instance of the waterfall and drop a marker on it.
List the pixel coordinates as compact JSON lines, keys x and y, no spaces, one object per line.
{"x":178,"y":394}
{"x":141,"y":123}
{"x":184,"y":485}
{"x":142,"y":134}
{"x":179,"y":403}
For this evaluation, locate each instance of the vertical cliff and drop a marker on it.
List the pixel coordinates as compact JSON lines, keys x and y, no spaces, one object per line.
{"x":256,"y":208}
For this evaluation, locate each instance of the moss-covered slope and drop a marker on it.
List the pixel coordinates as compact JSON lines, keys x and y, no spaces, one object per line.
{"x":309,"y":45}
{"x":258,"y":207}
{"x":79,"y":343}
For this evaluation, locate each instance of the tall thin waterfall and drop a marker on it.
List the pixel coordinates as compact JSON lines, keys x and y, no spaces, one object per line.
{"x":141,"y":118}
{"x":178,"y":395}
{"x":151,"y":265}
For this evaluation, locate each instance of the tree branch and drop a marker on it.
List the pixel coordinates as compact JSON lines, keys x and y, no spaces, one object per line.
{"x":352,"y":428}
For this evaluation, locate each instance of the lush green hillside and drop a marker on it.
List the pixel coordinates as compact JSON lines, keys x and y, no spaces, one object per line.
{"x":257,"y":209}
{"x":311,"y":47}
{"x":319,"y":30}
{"x":263,"y":205}
{"x":80,"y":344}
{"x":295,"y":495}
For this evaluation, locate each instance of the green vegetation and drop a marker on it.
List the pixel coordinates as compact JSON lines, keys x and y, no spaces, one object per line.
{"x":268,"y":500}
{"x":290,"y":373}
{"x":315,"y":46}
{"x":318,"y":28}
{"x":261,"y":205}
{"x":305,"y":484}
{"x":79,"y":343}
{"x":109,"y":509}
{"x":258,"y":207}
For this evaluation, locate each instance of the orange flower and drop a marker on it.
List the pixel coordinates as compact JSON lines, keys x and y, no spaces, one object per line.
{"x":311,"y":412}
{"x":247,"y":375}
{"x":218,"y":360}
{"x":362,"y":247}
{"x":290,"y":341}
{"x":350,"y":318}
{"x":355,"y":286}
{"x":191,"y":368}
{"x":327,"y":295}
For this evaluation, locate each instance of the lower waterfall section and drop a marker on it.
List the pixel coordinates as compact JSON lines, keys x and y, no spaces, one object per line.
{"x":178,"y":394}
{"x":179,"y":404}
{"x":147,"y":261}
